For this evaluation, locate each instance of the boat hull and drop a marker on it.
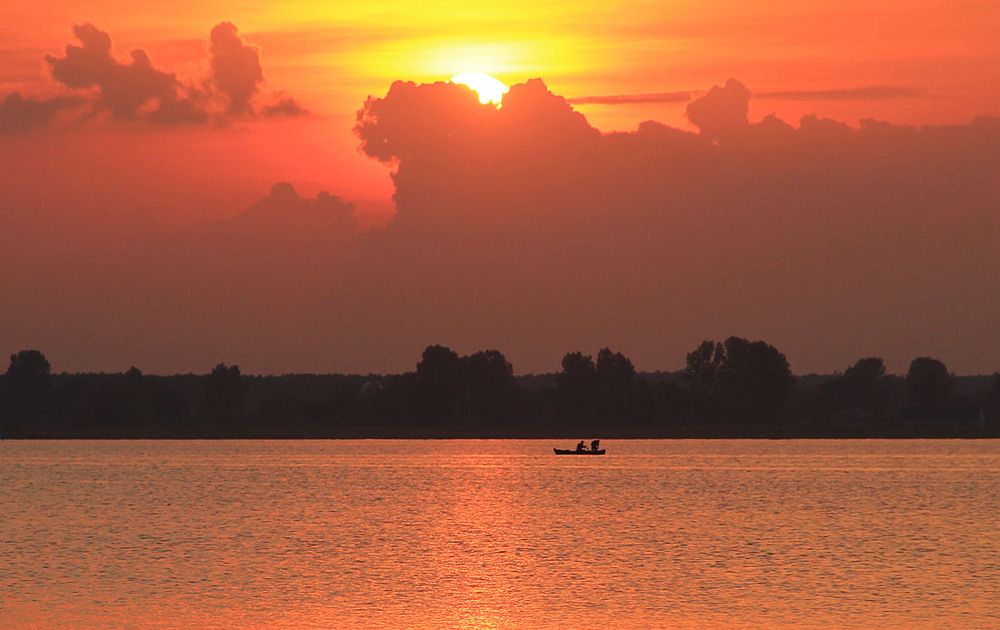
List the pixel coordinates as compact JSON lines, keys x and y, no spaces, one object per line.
{"x":570,"y":451}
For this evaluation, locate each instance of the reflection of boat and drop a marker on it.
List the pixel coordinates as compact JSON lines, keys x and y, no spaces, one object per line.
{"x":573,"y":451}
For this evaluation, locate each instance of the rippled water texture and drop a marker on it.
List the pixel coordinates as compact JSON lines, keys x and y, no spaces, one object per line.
{"x":499,"y":534}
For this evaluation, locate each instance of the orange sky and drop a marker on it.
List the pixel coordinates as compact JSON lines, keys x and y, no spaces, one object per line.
{"x":331,"y":56}
{"x":912,"y":63}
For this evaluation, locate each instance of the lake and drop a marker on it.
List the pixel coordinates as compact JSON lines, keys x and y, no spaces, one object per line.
{"x":500,"y":534}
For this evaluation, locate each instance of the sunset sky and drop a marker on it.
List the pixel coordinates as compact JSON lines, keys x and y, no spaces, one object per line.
{"x":164,"y":208}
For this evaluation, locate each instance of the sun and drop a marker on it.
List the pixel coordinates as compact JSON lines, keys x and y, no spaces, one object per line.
{"x":489,"y":89}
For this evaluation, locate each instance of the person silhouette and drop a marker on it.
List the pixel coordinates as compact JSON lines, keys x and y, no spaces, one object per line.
{"x":581,"y":447}
{"x":595,"y":445}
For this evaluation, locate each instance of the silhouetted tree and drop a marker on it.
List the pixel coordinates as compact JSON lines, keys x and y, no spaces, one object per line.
{"x":122,"y":401}
{"x":614,"y":378}
{"x":223,"y":396}
{"x":436,"y":388}
{"x":28,"y":373}
{"x":134,"y":392}
{"x":992,"y":399}
{"x":487,"y":370}
{"x":702,"y":367}
{"x":487,"y":385}
{"x":576,"y":384}
{"x":439,"y":364}
{"x":27,"y":386}
{"x":578,"y":370}
{"x":871,"y":368}
{"x":928,"y":382}
{"x":863,"y":387}
{"x":740,"y":379}
{"x":614,"y":370}
{"x":756,"y":378}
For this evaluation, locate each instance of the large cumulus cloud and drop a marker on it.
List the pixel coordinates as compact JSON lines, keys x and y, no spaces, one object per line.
{"x":524,"y":228}
{"x":825,"y":238}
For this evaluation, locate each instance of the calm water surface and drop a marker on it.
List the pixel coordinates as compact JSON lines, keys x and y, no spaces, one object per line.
{"x":499,"y":534}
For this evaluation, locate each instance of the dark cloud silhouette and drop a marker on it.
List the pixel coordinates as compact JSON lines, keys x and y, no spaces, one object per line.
{"x":424,"y":128}
{"x":722,"y":111}
{"x":534,"y":114}
{"x":414,"y":119}
{"x":755,"y":226}
{"x":442,"y":119}
{"x":236,"y":70}
{"x":19,"y":114}
{"x":284,"y":106}
{"x":136,"y":90}
{"x":630,"y":99}
{"x":871,"y":93}
{"x":123,"y":88}
{"x":285,"y":214}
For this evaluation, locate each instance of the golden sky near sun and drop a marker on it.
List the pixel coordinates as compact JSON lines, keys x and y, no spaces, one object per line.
{"x":334,"y":54}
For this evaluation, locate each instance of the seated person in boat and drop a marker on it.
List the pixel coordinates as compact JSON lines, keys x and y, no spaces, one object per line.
{"x":595,"y":445}
{"x":581,"y":447}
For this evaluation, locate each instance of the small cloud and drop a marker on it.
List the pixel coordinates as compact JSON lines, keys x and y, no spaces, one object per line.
{"x":135,"y":89}
{"x":873,"y":93}
{"x":286,"y":106}
{"x":123,"y":88}
{"x":284,"y":215}
{"x":722,"y":111}
{"x":20,"y":115}
{"x":630,"y":99}
{"x":236,"y":70}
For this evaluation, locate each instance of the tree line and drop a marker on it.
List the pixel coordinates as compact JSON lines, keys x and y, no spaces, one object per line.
{"x":732,"y":388}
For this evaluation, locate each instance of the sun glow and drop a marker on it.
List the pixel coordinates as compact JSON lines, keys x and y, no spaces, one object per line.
{"x":489,"y":89}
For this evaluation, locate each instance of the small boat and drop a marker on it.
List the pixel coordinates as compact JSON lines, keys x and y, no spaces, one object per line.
{"x":573,"y":451}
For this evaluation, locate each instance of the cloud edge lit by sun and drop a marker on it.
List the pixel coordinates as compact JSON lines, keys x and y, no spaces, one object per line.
{"x":489,"y":88}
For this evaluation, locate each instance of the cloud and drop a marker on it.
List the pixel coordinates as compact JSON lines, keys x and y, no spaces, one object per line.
{"x":282,"y":233}
{"x":136,"y":90}
{"x":20,"y":115}
{"x":722,"y":111}
{"x":284,"y":213}
{"x":630,"y":99}
{"x":285,"y":106}
{"x":526,"y":229}
{"x":752,"y":226}
{"x":123,"y":88}
{"x":531,"y":110}
{"x":236,"y":70}
{"x":413,"y":119}
{"x":872,"y":93}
